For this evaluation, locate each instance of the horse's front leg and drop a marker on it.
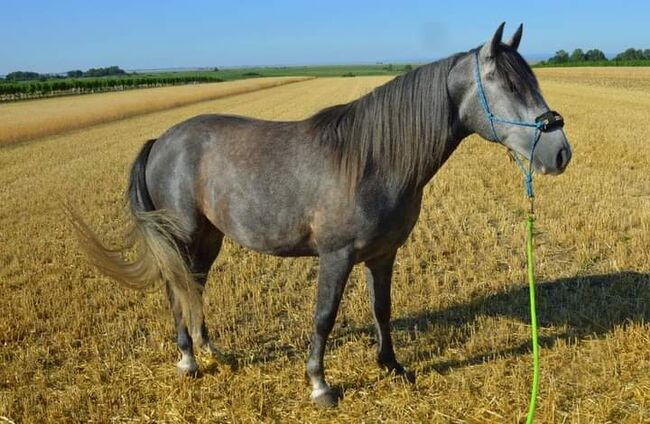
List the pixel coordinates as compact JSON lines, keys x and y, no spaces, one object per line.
{"x":334,"y":270}
{"x":379,"y":272}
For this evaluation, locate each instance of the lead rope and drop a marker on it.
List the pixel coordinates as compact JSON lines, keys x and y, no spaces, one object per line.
{"x":533,"y":309}
{"x":530,"y":265}
{"x":528,"y":182}
{"x":530,"y":268}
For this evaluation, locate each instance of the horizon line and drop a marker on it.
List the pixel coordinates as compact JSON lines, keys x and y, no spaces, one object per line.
{"x":529,"y":57}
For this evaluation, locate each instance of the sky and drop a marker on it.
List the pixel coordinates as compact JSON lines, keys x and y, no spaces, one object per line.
{"x":57,"y":36}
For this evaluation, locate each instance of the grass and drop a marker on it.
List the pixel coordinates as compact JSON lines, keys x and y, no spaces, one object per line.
{"x":76,"y":347}
{"x":19,"y":122}
{"x":313,"y":71}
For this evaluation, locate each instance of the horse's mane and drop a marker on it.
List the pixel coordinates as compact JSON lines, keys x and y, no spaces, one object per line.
{"x":398,"y":130}
{"x":515,"y":71}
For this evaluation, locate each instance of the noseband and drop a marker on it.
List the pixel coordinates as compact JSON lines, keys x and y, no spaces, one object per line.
{"x":547,"y":121}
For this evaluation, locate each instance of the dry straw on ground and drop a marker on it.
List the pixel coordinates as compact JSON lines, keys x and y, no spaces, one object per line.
{"x":75,"y":347}
{"x":26,"y":120}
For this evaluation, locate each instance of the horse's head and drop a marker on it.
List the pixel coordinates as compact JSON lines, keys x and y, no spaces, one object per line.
{"x":498,"y":97}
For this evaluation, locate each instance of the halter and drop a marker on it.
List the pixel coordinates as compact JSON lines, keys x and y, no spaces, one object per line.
{"x":545,"y":122}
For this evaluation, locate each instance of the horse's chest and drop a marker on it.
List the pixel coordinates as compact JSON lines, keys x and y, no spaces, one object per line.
{"x":388,"y":230}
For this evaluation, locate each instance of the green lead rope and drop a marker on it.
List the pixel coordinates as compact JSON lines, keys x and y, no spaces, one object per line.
{"x":533,"y":317}
{"x":541,"y":124}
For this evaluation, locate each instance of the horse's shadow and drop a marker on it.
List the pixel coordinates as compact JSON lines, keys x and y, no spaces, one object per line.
{"x":582,"y":306}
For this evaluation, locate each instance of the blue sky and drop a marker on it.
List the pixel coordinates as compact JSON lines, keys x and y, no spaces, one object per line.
{"x":56,"y":36}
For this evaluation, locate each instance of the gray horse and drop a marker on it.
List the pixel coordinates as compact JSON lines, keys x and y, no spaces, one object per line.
{"x":344,"y":185}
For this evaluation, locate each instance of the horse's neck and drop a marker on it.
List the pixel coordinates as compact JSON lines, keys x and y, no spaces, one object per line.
{"x":457,"y":134}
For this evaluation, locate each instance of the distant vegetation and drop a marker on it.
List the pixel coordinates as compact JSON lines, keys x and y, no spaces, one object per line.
{"x":35,"y":89}
{"x":98,"y":72}
{"x":595,"y":57}
{"x":28,"y":85}
{"x":92,"y":72}
{"x":24,"y":76}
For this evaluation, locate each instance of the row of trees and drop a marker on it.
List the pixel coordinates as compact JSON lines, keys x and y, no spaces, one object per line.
{"x":595,"y":55}
{"x":24,"y":76}
{"x":634,"y":54}
{"x":97,"y":72}
{"x":77,"y":73}
{"x":20,"y":90}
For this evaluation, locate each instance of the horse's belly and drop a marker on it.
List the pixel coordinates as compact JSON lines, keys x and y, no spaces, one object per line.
{"x":288,"y":243}
{"x":275,"y":231}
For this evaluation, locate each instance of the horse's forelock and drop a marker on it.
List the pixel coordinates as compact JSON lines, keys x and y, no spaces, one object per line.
{"x":515,"y":71}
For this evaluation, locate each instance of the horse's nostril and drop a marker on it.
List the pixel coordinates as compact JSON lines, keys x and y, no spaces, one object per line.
{"x":561,"y":160}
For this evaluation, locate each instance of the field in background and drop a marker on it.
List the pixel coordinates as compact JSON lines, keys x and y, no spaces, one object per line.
{"x":50,"y":87}
{"x":595,"y":63}
{"x":76,"y":347}
{"x":22,"y":121}
{"x":313,"y":71}
{"x":634,"y":80}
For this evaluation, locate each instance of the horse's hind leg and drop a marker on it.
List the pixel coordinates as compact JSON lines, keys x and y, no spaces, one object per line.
{"x":203,"y":255}
{"x":187,"y":364}
{"x":202,"y":252}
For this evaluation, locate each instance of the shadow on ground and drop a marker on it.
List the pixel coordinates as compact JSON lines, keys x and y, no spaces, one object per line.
{"x":585,"y":306}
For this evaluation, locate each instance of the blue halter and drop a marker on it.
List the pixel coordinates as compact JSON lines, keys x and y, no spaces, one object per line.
{"x":545,"y":122}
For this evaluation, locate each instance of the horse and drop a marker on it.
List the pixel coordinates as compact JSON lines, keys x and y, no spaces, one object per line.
{"x":345,"y":185}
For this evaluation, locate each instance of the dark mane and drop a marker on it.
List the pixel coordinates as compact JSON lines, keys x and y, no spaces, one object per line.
{"x":399,"y":130}
{"x":513,"y":69}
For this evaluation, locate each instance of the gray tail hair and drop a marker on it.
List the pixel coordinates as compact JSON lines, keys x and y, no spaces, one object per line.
{"x":156,"y":235}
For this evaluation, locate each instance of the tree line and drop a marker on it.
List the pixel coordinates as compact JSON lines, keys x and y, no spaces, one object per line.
{"x":77,"y":73}
{"x":32,"y":89}
{"x":595,"y":55}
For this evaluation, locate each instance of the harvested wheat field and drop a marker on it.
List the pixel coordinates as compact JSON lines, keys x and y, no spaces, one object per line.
{"x":74,"y":346}
{"x":26,"y":120}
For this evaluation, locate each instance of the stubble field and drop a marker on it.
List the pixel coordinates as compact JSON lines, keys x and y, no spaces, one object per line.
{"x":27,"y":120}
{"x":74,"y":346}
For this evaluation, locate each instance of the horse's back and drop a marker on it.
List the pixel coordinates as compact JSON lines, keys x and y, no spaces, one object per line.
{"x":255,"y":180}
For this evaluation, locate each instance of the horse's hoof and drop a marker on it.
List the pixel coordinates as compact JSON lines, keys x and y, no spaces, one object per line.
{"x":398,"y":371}
{"x":326,"y":398}
{"x":407,"y":376}
{"x":187,"y":367}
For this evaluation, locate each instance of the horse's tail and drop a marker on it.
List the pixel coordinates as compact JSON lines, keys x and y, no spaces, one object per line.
{"x":157,"y":236}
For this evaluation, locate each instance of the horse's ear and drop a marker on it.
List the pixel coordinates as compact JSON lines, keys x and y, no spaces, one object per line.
{"x":491,"y":48}
{"x":516,"y":37}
